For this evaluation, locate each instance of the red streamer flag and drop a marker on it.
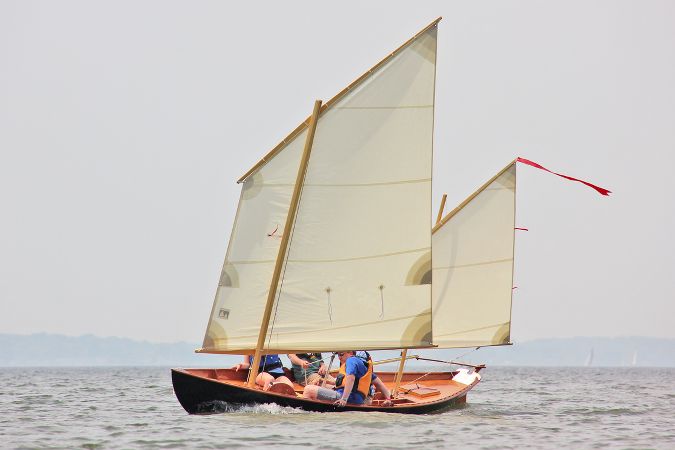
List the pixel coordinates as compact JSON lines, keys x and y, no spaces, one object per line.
{"x":602,"y":191}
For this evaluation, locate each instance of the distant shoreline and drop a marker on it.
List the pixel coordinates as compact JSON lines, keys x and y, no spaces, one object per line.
{"x":52,"y":350}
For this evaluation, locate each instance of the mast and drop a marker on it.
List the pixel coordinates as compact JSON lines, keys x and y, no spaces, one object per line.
{"x":302,"y":170}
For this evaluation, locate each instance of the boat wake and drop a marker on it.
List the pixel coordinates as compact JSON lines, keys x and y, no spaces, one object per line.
{"x":217,"y":407}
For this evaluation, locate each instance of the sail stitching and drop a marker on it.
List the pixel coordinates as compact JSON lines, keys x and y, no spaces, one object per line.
{"x":356,"y":258}
{"x":474,"y":329}
{"x":386,"y":107}
{"x":354,"y":325}
{"x":278,"y":333}
{"x":459,"y":266}
{"x":380,"y":183}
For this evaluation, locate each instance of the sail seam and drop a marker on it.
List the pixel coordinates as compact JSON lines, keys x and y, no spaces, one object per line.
{"x":305,"y":331}
{"x":459,"y":266}
{"x":386,"y":107}
{"x":248,"y":336}
{"x":473,"y":329}
{"x":381,"y":183}
{"x":357,"y":258}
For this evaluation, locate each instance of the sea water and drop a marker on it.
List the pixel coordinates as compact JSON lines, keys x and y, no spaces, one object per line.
{"x":580,"y":408}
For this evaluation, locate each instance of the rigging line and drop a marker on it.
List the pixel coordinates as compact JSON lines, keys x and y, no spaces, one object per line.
{"x":467,"y":353}
{"x":288,"y":254}
{"x":415,"y":381}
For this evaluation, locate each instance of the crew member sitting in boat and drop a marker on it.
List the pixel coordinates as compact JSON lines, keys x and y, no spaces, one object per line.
{"x":271,"y":371}
{"x":352,"y":384}
{"x":308,"y":368}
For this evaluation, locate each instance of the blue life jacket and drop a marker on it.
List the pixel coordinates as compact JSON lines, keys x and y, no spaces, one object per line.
{"x":268,"y":363}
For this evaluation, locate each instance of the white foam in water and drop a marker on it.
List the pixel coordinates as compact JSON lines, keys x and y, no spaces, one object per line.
{"x":270,"y":408}
{"x":265,"y":408}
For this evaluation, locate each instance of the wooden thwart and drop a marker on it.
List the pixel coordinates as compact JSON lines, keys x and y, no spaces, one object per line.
{"x":419,"y":391}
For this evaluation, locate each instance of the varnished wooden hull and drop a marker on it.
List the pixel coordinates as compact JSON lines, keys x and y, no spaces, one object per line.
{"x":202,"y":391}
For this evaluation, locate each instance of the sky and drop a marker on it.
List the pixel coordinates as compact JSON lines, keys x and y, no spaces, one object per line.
{"x":124,"y":127}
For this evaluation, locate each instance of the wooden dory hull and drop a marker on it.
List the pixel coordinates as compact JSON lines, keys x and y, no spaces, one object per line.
{"x":200,"y":392}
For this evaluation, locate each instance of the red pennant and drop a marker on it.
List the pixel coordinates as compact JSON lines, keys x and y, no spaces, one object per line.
{"x":602,"y":191}
{"x":522,"y":229}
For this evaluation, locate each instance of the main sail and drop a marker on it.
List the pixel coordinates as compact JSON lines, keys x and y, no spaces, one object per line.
{"x":354,"y":275}
{"x":473,"y":267}
{"x":254,"y":243}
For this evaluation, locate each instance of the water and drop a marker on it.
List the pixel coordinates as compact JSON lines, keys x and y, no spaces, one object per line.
{"x":512,"y":408}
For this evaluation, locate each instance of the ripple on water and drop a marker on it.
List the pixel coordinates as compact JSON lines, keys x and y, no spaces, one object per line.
{"x":136,"y":408}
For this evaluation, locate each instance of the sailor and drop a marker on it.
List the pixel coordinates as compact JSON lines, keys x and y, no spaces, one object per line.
{"x":270,"y":371}
{"x":352,"y":384}
{"x":308,"y":368}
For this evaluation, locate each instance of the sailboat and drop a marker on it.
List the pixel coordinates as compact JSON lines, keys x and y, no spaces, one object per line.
{"x":333,"y":249}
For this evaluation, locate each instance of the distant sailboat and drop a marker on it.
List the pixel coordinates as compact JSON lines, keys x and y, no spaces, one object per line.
{"x":635,"y":355}
{"x":589,"y":359}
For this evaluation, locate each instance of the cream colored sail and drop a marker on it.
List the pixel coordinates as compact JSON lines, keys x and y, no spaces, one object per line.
{"x":254,"y":243}
{"x":473,"y":267}
{"x":396,"y":95}
{"x":361,"y":243}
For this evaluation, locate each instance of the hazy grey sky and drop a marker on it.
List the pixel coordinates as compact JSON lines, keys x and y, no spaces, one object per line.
{"x":124,"y":125}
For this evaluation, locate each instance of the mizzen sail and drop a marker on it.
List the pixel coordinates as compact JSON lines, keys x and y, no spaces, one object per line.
{"x":473,"y":267}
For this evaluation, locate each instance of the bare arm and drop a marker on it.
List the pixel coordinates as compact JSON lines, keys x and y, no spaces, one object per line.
{"x":379,"y":385}
{"x":297,"y":361}
{"x":349,"y":385}
{"x":242,"y":365}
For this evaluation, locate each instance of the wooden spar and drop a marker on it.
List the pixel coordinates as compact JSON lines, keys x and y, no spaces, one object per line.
{"x":302,"y":170}
{"x":470,"y":197}
{"x":300,"y":128}
{"x":440,"y":210}
{"x":399,"y":374}
{"x":385,"y":361}
{"x":404,"y":354}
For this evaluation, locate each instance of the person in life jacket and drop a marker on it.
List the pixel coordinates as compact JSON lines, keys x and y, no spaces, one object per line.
{"x":352,"y":384}
{"x":308,"y":368}
{"x":271,"y":370}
